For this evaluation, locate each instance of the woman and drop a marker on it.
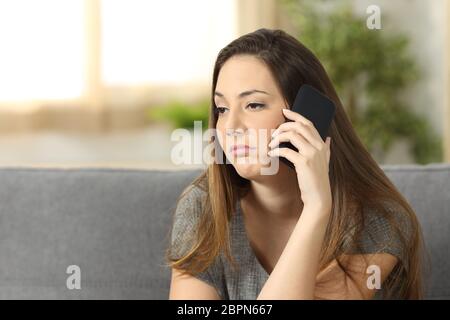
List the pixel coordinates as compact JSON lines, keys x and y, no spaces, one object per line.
{"x":333,"y":228}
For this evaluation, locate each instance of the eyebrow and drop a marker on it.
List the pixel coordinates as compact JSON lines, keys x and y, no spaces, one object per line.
{"x":242,"y":94}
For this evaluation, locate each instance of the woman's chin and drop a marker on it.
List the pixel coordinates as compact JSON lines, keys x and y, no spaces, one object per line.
{"x":248,"y":170}
{"x":251,"y":165}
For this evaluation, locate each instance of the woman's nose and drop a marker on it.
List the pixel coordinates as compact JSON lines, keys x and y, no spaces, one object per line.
{"x":234,"y":132}
{"x":235,"y":125}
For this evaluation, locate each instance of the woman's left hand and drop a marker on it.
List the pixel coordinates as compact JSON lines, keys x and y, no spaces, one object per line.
{"x":311,"y":161}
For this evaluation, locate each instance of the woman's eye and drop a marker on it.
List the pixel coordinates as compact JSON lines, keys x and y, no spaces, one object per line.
{"x":219,"y":109}
{"x":256,"y":106}
{"x":253,"y":106}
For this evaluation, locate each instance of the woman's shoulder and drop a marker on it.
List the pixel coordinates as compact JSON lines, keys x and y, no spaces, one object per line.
{"x":186,"y":216}
{"x":191,"y":197}
{"x":388,"y":216}
{"x":385,"y":227}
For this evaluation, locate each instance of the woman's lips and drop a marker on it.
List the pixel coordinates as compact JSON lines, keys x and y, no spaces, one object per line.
{"x":240,"y":149}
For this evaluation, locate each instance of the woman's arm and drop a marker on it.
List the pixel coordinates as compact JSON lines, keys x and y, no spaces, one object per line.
{"x":333,"y":283}
{"x":186,"y":287}
{"x":294,"y":275}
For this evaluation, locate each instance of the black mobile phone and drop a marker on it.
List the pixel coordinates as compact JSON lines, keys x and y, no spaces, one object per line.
{"x":316,"y":107}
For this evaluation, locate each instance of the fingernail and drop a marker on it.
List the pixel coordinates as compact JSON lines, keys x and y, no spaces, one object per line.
{"x":272,"y":144}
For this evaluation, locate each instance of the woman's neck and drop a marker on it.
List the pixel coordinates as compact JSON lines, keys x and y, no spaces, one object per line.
{"x":277,"y":196}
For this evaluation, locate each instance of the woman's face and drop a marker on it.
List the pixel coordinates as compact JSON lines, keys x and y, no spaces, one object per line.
{"x":248,"y":119}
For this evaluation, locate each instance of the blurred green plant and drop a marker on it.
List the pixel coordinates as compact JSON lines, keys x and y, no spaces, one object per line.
{"x":180,"y":114}
{"x":369,"y":69}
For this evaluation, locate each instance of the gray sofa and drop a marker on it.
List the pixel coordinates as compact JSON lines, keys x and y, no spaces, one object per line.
{"x":114,"y":224}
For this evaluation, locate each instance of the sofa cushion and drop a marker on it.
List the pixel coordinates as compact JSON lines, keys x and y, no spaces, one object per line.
{"x":112,"y":223}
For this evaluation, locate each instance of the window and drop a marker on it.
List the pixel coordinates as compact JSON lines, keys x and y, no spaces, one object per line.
{"x":49,"y":49}
{"x":41,"y":49}
{"x":163,"y":41}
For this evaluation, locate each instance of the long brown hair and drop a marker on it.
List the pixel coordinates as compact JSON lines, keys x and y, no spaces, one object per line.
{"x":356,"y":179}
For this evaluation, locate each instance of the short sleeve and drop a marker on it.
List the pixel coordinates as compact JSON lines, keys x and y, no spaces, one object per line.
{"x":184,"y":229}
{"x":185,"y":221}
{"x":214,"y":276}
{"x":380,"y":236}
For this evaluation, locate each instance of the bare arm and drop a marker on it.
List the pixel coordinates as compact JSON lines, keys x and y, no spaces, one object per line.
{"x":333,"y":283}
{"x":186,"y":287}
{"x":294,"y":275}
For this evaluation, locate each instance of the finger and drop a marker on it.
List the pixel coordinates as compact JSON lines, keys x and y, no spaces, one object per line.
{"x":295,"y":116}
{"x":287,"y":153}
{"x":296,"y":139}
{"x":309,"y":132}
